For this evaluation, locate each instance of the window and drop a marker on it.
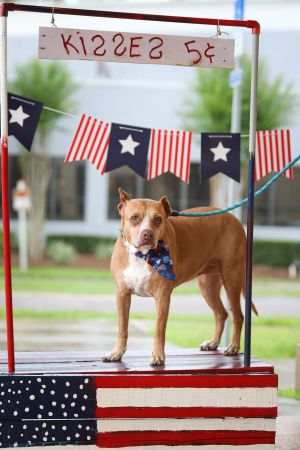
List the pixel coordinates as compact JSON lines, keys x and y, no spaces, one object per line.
{"x":280,"y":204}
{"x":65,"y":197}
{"x":181,"y":195}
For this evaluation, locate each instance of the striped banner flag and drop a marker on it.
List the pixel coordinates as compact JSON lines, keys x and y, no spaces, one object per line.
{"x":90,"y":142}
{"x":170,"y":151}
{"x":211,"y":411}
{"x":273,"y":152}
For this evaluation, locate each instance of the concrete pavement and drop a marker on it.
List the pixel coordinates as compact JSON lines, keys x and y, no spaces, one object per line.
{"x":180,"y":304}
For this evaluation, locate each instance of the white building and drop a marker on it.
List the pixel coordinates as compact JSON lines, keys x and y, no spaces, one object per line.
{"x":81,"y":201}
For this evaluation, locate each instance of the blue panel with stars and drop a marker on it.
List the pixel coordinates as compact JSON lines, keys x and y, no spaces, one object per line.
{"x":47,"y":410}
{"x":220,"y":153}
{"x":128,"y":146}
{"x":23,"y":118}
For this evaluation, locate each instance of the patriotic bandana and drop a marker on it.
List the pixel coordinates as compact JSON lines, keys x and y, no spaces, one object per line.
{"x":160,"y":260}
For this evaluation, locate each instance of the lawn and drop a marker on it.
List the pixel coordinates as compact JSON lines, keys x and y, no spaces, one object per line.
{"x":272,"y":337}
{"x":92,"y":281}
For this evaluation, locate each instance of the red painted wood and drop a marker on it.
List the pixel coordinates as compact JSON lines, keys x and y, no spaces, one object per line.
{"x":255,"y":26}
{"x":134,"y":363}
{"x":7,"y":258}
{"x":194,"y":381}
{"x":192,"y":412}
{"x":144,"y":438}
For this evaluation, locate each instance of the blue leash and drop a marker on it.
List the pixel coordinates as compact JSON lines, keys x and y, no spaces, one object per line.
{"x":242,"y":202}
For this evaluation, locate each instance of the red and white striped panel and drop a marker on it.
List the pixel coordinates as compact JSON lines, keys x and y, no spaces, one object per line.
{"x":273,"y":152}
{"x":170,"y":151}
{"x":90,"y":142}
{"x":187,"y":411}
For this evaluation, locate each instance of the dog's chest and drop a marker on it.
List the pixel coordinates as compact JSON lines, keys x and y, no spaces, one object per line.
{"x":137,"y":275}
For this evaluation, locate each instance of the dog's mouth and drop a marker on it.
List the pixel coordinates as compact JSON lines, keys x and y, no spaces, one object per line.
{"x":145,"y":245}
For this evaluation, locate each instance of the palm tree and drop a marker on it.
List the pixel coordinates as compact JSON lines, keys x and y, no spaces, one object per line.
{"x":208,"y":109}
{"x":52,"y":84}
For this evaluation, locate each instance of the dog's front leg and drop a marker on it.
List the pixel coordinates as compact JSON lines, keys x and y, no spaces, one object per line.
{"x":162,"y":312}
{"x":123,"y":304}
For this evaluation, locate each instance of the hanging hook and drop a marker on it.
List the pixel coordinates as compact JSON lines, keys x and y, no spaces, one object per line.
{"x":52,"y":17}
{"x":219,"y":32}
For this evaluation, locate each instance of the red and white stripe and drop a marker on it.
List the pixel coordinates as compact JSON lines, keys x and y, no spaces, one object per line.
{"x":187,"y":411}
{"x":90,"y":142}
{"x":273,"y":152}
{"x":170,"y":151}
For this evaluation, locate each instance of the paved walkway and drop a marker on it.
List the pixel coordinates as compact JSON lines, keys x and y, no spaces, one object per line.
{"x":180,"y":304}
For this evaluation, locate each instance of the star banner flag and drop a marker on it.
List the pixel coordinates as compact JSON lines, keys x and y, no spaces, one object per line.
{"x":273,"y":152}
{"x":23,"y":118}
{"x":90,"y":142}
{"x":220,"y":153}
{"x":170,"y":151}
{"x":128,"y":146}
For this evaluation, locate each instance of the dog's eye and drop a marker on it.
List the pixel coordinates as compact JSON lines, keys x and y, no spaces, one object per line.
{"x":158,"y":220}
{"x":134,"y":219}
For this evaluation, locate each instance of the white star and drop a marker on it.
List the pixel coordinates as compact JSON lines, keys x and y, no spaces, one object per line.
{"x":128,"y":145}
{"x":220,"y":152}
{"x":18,"y":116}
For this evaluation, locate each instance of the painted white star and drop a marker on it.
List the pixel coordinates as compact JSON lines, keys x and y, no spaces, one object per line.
{"x":128,"y":145}
{"x":18,"y":116}
{"x":220,"y":152}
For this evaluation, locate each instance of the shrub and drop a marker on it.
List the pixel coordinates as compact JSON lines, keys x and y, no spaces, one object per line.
{"x":82,"y":244}
{"x":60,"y":252}
{"x":275,"y":253}
{"x":104,"y":250}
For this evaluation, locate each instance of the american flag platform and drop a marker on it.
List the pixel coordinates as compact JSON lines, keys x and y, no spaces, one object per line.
{"x":198,"y":400}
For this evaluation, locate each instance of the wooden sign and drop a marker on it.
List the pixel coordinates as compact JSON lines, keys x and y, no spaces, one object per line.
{"x":67,"y":43}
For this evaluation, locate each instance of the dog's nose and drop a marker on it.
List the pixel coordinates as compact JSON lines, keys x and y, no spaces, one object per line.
{"x":147,"y":235}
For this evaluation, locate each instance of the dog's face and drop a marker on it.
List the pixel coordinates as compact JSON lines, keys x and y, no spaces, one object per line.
{"x":143,"y":221}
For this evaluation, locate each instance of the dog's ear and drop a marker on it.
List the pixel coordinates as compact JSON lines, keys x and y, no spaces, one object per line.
{"x":124,"y":197}
{"x":166,"y":205}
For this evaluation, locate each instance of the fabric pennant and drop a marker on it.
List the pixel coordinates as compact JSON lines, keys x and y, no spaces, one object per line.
{"x":128,"y":146}
{"x":23,"y":118}
{"x":170,"y":151}
{"x":220,"y":153}
{"x":90,"y":142}
{"x":273,"y":152}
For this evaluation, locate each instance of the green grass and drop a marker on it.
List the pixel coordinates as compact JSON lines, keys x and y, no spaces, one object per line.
{"x":93,"y":281}
{"x":272,"y":338}
{"x":289,"y":393}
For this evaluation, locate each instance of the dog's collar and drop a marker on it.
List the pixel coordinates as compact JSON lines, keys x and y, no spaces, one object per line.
{"x":160,"y":260}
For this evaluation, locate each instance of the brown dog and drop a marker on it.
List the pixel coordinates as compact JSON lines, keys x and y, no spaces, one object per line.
{"x":210,"y":249}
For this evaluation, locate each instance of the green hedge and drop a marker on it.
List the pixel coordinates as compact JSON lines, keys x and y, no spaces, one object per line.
{"x":275,"y":253}
{"x":82,"y":244}
{"x":268,"y":253}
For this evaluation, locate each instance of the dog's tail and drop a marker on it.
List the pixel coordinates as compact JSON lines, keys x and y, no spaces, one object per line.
{"x":253,"y":308}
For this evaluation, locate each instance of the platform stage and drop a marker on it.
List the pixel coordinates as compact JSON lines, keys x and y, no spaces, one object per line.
{"x":198,"y":400}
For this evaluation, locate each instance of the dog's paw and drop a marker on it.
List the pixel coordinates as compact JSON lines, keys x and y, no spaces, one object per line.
{"x":232,"y":350}
{"x":157,"y":360}
{"x":209,"y":345}
{"x":112,"y":357}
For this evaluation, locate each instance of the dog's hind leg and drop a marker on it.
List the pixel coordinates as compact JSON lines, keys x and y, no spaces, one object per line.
{"x":233,"y":283}
{"x":210,"y":286}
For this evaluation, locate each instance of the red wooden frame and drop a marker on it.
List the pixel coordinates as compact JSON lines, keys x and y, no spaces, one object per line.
{"x":5,"y":8}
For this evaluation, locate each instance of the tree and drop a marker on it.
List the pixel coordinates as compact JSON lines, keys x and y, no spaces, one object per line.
{"x":52,"y":84}
{"x":209,"y":107}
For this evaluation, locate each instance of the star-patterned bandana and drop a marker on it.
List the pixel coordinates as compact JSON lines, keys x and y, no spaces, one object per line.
{"x":159,"y":258}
